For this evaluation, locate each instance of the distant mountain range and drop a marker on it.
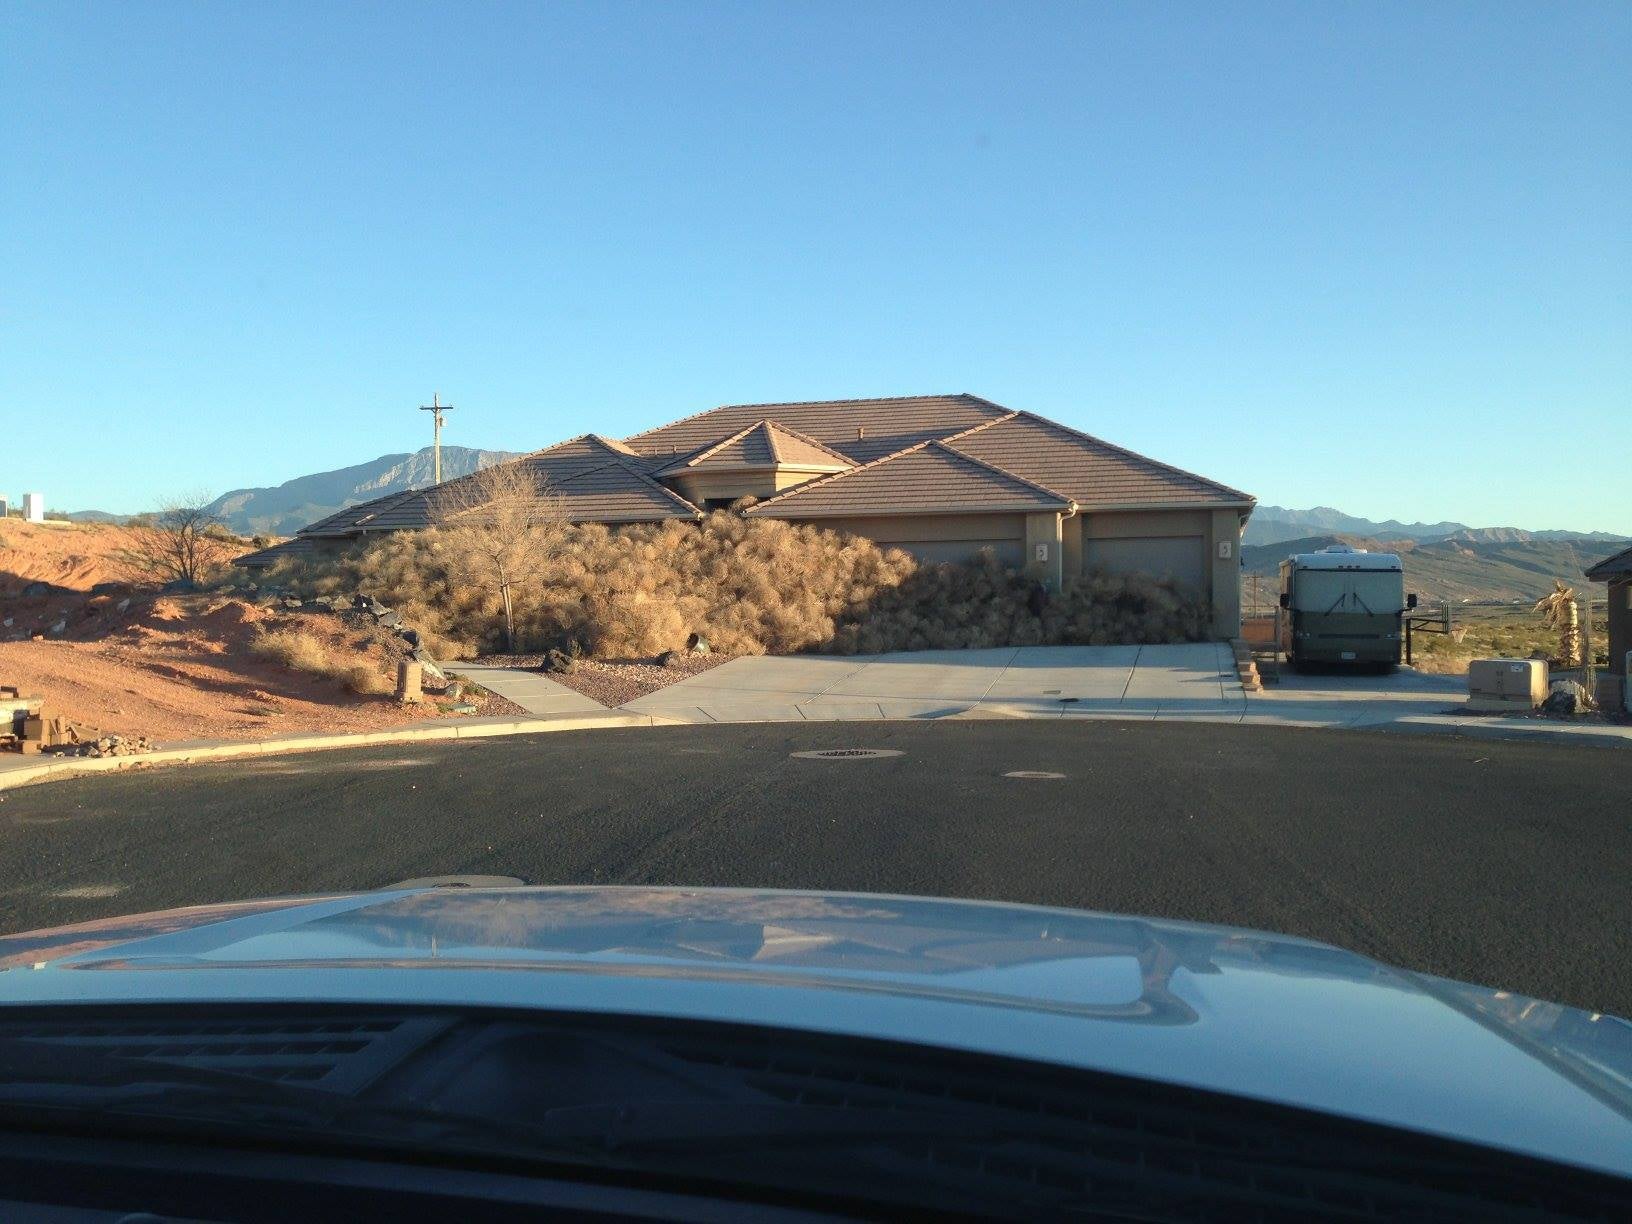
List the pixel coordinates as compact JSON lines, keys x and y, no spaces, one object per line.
{"x":1274,"y":524}
{"x":1465,"y":566}
{"x":286,"y":508}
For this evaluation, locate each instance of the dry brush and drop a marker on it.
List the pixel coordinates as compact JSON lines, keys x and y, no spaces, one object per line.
{"x":748,"y":586}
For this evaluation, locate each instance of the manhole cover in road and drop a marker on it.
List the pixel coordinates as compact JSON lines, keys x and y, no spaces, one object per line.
{"x":846,"y":754}
{"x":1033,"y":773}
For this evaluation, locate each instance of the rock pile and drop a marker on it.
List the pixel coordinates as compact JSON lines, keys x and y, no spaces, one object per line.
{"x":107,"y":746}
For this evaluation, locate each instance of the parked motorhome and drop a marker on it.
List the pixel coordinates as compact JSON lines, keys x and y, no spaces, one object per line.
{"x":1343,"y":605}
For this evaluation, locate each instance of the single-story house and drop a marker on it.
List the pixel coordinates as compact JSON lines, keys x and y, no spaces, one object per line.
{"x":942,"y":476}
{"x":1617,"y":572}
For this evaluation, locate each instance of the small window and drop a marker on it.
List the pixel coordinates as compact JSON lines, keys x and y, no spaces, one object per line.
{"x":718,"y":503}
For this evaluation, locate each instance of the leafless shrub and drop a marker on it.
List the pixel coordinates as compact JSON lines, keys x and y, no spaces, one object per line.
{"x":181,"y":541}
{"x":502,"y":525}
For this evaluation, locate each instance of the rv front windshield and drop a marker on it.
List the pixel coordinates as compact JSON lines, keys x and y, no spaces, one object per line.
{"x":1320,"y":590}
{"x":1380,"y":592}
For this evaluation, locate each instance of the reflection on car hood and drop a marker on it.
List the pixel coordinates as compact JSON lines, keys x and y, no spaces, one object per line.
{"x":1267,"y":1016}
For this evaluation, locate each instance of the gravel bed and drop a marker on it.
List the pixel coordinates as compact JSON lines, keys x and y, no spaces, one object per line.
{"x":612,"y":682}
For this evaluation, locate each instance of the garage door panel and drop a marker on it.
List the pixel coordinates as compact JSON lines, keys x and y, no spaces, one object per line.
{"x":1009,"y":552}
{"x":1182,"y":558}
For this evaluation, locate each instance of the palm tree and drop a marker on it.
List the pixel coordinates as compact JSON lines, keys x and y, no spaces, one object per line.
{"x":1558,"y":611}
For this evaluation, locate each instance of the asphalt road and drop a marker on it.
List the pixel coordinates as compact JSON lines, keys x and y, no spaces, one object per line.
{"x":1501,"y":863}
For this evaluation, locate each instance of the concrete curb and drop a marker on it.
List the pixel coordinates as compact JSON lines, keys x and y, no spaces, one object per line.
{"x":48,"y":768}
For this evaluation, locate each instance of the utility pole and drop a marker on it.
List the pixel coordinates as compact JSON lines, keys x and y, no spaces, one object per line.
{"x":436,"y":407}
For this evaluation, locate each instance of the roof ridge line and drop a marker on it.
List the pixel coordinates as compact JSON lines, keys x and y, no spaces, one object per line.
{"x":1001,"y":471}
{"x":907,"y":450}
{"x":1008,"y":415}
{"x":822,"y":480}
{"x":1122,"y":450}
{"x":808,"y":440}
{"x":865,"y":399}
{"x":633,"y":471}
{"x":696,"y":511}
{"x":612,"y":444}
{"x":697,"y":457}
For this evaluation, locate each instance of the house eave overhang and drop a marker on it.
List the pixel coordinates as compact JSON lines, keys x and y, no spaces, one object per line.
{"x":1066,"y":508}
{"x":1119,"y":507}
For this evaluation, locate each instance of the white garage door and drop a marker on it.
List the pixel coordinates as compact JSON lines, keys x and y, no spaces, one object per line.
{"x":1182,"y":558}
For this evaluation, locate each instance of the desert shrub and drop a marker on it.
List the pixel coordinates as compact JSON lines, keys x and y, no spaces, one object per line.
{"x":984,"y":604}
{"x":365,"y":681}
{"x":749,"y":586}
{"x":1102,"y":609}
{"x":293,"y":648}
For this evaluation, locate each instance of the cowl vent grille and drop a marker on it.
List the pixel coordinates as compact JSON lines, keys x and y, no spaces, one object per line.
{"x":338,"y":1054}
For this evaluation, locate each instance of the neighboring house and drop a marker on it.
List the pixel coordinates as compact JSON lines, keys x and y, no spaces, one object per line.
{"x":942,"y":476}
{"x":1617,"y":572}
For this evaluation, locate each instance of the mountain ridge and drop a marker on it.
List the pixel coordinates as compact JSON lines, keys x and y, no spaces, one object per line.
{"x":284,"y":509}
{"x":1274,"y":524}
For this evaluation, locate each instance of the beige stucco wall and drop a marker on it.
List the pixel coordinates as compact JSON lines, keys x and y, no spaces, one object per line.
{"x":698,"y":487}
{"x":1224,"y":547}
{"x":1044,"y":551}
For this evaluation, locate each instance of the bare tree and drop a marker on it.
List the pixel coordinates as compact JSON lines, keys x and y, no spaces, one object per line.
{"x":506,"y":523}
{"x":180,"y":541}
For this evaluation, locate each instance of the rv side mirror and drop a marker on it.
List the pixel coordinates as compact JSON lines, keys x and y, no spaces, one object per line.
{"x":1411,"y":600}
{"x":1285,"y":601}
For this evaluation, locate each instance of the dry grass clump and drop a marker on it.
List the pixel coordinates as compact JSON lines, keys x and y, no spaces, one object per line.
{"x":303,"y":652}
{"x":294,"y":649}
{"x":365,"y":681}
{"x":748,"y":586}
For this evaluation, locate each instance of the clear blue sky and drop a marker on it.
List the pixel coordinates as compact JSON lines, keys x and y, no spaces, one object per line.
{"x":1377,"y":256}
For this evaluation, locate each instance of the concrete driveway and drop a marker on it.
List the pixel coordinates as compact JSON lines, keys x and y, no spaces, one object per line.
{"x":1335,"y":698}
{"x":1159,"y":682}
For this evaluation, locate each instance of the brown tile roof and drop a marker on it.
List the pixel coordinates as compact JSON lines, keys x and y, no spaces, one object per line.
{"x":262,"y":558}
{"x":917,"y":455}
{"x":597,"y":479}
{"x":618,"y":493}
{"x":886,"y":425}
{"x":360,"y":517}
{"x":929,"y":478}
{"x":1618,"y":566}
{"x":764,"y":444}
{"x":1093,"y":473}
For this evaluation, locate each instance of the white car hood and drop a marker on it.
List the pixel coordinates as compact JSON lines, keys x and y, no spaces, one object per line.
{"x":1265,"y":1016}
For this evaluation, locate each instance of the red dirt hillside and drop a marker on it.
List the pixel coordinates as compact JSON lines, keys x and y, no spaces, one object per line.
{"x":72,"y":555}
{"x":178,"y":667}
